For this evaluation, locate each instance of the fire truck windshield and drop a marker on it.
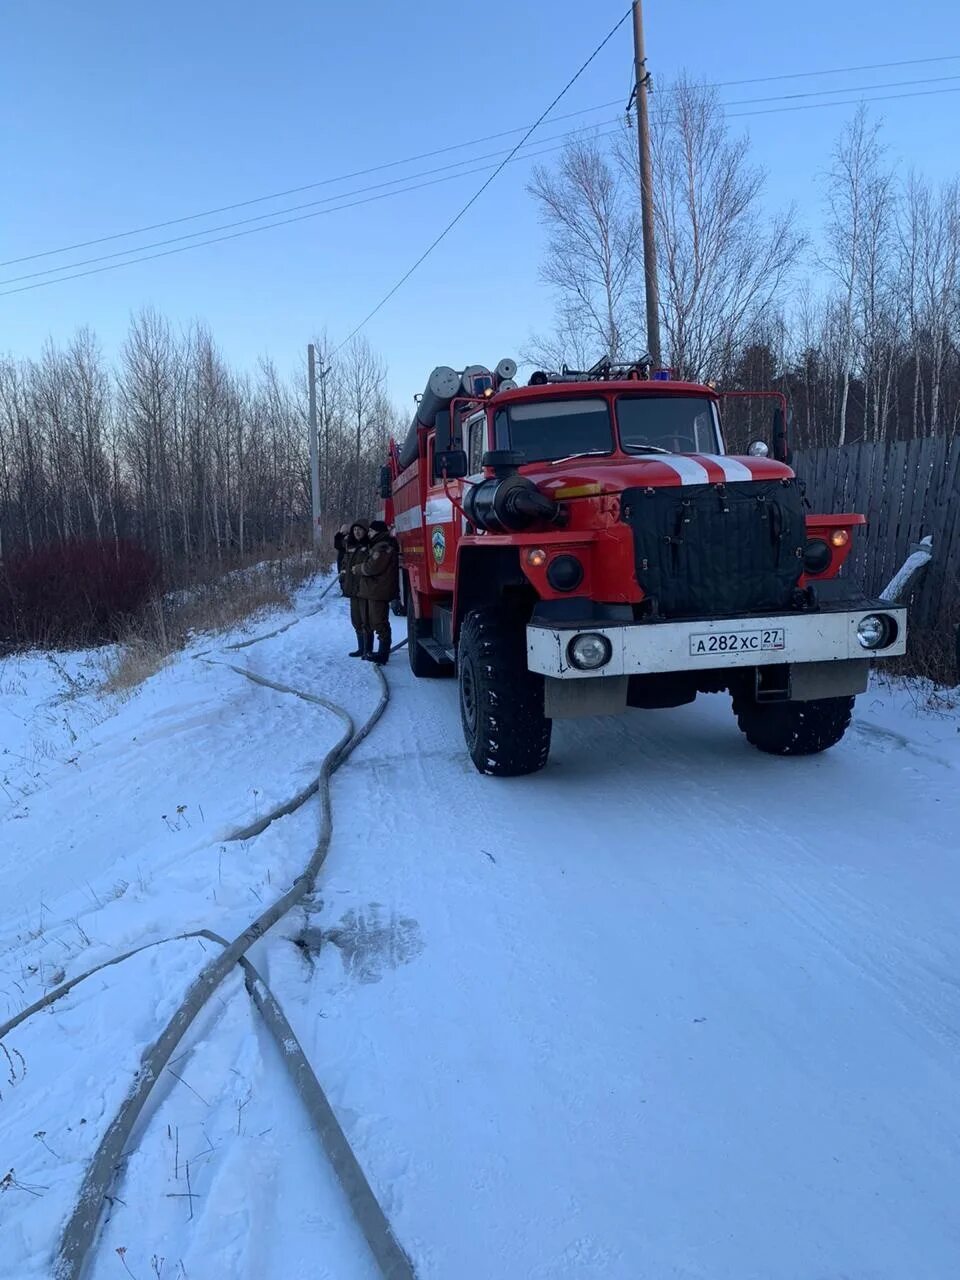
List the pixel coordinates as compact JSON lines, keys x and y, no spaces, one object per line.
{"x":678,"y":424}
{"x":546,"y":430}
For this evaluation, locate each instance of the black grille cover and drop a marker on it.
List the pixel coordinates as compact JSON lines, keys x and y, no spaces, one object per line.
{"x":718,"y":550}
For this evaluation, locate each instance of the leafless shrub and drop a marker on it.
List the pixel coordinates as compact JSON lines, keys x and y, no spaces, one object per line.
{"x":207,"y":609}
{"x":931,"y":656}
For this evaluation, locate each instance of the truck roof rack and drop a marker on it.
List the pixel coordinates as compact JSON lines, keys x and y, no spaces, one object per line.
{"x":605,"y":370}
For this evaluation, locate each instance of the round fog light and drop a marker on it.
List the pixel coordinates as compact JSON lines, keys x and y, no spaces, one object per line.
{"x":588,"y":652}
{"x":875,"y":631}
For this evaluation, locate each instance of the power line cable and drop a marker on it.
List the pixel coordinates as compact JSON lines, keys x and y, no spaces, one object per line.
{"x":483,"y":186}
{"x":843,"y":102}
{"x":449,"y":227}
{"x":318,"y":213}
{"x":427,"y":155}
{"x":292,"y":191}
{"x":812,"y":106}
{"x":296,"y":208}
{"x":132,"y":261}
{"x":852,"y":88}
{"x":835,"y":71}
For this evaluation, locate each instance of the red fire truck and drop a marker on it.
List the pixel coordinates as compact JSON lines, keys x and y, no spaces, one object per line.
{"x":584,"y":544}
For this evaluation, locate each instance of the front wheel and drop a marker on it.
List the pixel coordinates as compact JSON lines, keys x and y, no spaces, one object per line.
{"x":793,"y":728}
{"x":501,"y":702}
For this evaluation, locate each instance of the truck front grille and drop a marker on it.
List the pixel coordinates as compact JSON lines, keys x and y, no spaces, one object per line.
{"x":717,"y":550}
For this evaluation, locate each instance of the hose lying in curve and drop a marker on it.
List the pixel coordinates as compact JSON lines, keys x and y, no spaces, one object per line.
{"x":79,"y":1234}
{"x":242,"y":833}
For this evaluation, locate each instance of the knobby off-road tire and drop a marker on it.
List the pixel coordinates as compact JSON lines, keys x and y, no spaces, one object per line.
{"x":421,"y":664}
{"x":501,"y":702}
{"x":794,"y":728}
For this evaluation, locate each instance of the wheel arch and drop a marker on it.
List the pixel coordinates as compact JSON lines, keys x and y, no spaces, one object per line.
{"x":489,"y":577}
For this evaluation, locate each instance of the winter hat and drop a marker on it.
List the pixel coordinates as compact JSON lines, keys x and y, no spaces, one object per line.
{"x":378,"y":526}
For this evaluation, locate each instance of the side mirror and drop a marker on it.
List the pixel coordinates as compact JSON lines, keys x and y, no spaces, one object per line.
{"x":452,"y":462}
{"x":781,"y":450}
{"x":759,"y":449}
{"x":444,"y":441}
{"x":385,"y":488}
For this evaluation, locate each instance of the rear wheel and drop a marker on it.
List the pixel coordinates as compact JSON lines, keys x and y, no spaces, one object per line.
{"x":423,"y":666}
{"x":501,"y":702}
{"x":793,"y":728}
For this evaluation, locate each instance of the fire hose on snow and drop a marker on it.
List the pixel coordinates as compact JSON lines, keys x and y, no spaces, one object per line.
{"x":79,"y":1235}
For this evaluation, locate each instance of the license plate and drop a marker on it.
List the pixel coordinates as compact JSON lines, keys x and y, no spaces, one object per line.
{"x":713,"y":643}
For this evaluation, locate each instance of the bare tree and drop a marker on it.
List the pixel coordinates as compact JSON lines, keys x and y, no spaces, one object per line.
{"x":363,"y":380}
{"x":176,"y":449}
{"x":88,"y":392}
{"x":930,"y":242}
{"x":147,"y":385}
{"x":859,"y":233}
{"x":567,"y":343}
{"x":590,"y":211}
{"x":722,"y":261}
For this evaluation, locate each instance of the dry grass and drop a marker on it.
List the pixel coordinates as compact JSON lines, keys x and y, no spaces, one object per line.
{"x":142,"y":652}
{"x":931,"y":655}
{"x":212,"y":608}
{"x":218,"y":607}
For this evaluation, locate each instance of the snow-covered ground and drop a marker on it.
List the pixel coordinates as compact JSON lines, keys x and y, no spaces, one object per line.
{"x":671,"y":1009}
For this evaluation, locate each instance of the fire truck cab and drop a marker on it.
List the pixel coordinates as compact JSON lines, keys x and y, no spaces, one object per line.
{"x":584,"y":545}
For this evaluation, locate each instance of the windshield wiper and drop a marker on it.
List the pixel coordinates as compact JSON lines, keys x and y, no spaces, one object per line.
{"x":645,"y":448}
{"x":586,"y":453}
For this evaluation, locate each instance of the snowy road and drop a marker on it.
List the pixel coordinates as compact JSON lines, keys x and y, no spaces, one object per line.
{"x":669,"y":1009}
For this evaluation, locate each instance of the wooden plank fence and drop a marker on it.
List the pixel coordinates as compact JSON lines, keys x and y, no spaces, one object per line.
{"x":906,"y":489}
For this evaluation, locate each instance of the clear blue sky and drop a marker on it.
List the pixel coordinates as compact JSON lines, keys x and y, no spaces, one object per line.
{"x":117,"y":114}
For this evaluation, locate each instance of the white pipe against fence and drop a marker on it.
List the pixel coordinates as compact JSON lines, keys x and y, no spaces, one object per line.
{"x":898,"y":588}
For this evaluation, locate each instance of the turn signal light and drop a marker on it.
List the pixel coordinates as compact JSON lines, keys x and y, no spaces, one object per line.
{"x":839,"y":538}
{"x":536,"y":557}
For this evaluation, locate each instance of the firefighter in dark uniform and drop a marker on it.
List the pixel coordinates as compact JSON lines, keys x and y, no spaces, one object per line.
{"x":354,"y":553}
{"x":379,"y":577}
{"x":340,"y":546}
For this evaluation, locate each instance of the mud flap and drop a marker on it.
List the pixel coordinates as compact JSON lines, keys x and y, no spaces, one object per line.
{"x":602,"y":696}
{"x":810,"y":681}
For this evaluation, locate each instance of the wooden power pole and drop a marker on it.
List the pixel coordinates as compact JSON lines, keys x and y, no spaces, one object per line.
{"x":314,"y":443}
{"x":646,"y":188}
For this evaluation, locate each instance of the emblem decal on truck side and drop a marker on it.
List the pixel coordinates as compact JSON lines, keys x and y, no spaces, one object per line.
{"x":439,"y":543}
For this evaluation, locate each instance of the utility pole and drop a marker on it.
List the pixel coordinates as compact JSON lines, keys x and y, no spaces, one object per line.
{"x":325,"y":428}
{"x":314,"y":443}
{"x":646,"y":188}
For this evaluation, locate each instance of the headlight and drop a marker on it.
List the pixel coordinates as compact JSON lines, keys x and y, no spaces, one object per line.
{"x":816,"y":556}
{"x":876,"y":631}
{"x":588,"y":652}
{"x":565,"y":573}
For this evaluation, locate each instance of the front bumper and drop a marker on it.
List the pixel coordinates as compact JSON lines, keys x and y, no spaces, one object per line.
{"x":649,"y":648}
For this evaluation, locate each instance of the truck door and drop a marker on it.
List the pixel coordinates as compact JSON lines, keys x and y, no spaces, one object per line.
{"x":441,"y":523}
